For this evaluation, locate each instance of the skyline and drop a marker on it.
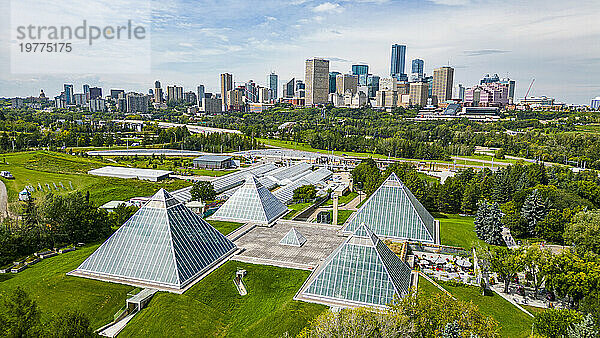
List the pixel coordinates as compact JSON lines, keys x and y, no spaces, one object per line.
{"x":192,"y":43}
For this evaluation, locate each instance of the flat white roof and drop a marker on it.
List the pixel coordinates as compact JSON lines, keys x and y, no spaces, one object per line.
{"x":131,"y":172}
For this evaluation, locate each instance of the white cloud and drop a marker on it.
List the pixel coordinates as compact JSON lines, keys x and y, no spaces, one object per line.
{"x":328,"y":7}
{"x":450,"y":2}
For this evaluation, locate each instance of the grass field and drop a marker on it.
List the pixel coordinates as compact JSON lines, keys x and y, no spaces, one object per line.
{"x":296,"y":209}
{"x":457,"y":230}
{"x":213,"y":306}
{"x":55,"y":292}
{"x":31,"y":168}
{"x":513,"y":322}
{"x":224,"y":227}
{"x":343,"y":200}
{"x":168,"y":163}
{"x":343,"y":216}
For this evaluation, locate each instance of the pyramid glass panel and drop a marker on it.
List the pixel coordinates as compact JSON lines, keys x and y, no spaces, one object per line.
{"x":293,"y":238}
{"x":361,"y":271}
{"x":251,"y":203}
{"x":394,"y":212}
{"x":164,"y":244}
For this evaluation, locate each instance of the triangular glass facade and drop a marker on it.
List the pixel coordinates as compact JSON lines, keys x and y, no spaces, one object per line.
{"x":163,"y":244}
{"x":251,"y":203}
{"x":293,"y":238}
{"x":361,"y":271}
{"x":394,"y":212}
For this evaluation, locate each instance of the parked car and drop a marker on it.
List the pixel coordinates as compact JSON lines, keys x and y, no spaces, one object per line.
{"x":7,"y":175}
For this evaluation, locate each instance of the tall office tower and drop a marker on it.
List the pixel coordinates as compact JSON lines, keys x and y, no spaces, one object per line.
{"x":251,"y":91}
{"x":372,"y":85}
{"x":226,"y":85}
{"x":418,"y":94}
{"x":398,"y":61}
{"x":459,"y":92}
{"x":69,"y":94}
{"x":288,"y":90}
{"x":332,"y":76}
{"x":264,"y":95}
{"x":417,"y":67}
{"x":158,"y":93}
{"x":443,"y":79}
{"x":200,"y":95}
{"x":360,"y":69}
{"x":174,"y":94}
{"x":136,"y":103}
{"x":116,"y":94}
{"x":511,"y":88}
{"x":86,"y":91}
{"x":95,"y":93}
{"x":300,"y":89}
{"x":317,"y":81}
{"x":345,"y":82}
{"x":272,"y":84}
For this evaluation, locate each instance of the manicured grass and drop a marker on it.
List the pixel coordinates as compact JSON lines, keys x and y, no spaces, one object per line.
{"x":213,"y":173}
{"x":513,"y":322}
{"x":225,"y":227}
{"x":457,"y":230}
{"x":213,"y":307}
{"x":31,"y":168}
{"x":343,"y":200}
{"x":343,"y":216}
{"x":296,"y":209}
{"x":47,"y":283}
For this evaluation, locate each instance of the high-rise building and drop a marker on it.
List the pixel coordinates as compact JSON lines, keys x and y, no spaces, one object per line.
{"x":332,"y":76}
{"x":190,"y":97}
{"x":272,"y":84}
{"x":489,"y":94}
{"x":419,"y":94}
{"x":360,"y":69}
{"x":317,"y":81}
{"x":300,"y":89}
{"x":595,"y":105}
{"x":372,"y":85}
{"x":398,"y":61}
{"x":174,"y":94}
{"x":158,"y":93}
{"x":69,"y":94}
{"x":200,"y":92}
{"x":95,"y":93}
{"x":496,"y":79}
{"x":251,"y":91}
{"x":345,"y":82}
{"x":443,"y":80}
{"x":418,"y":68}
{"x":86,"y":91}
{"x":226,"y":85}
{"x":264,"y":95}
{"x":116,"y":93}
{"x":137,"y":103}
{"x":97,"y":105}
{"x":458,"y":92}
{"x":288,"y":90}
{"x":235,"y":99}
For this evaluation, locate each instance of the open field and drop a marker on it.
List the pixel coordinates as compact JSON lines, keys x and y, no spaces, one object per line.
{"x":213,"y":307}
{"x":47,"y":283}
{"x":457,"y":230}
{"x":513,"y":322}
{"x":224,"y":227}
{"x":176,"y":164}
{"x":31,"y":168}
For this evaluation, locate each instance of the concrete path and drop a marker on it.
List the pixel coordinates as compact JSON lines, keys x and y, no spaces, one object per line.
{"x":3,"y":201}
{"x":114,"y":329}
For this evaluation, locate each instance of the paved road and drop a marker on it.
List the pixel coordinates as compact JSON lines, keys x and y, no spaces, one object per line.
{"x":3,"y":201}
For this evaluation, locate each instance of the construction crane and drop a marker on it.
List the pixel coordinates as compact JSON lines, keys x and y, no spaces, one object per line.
{"x":528,"y":90}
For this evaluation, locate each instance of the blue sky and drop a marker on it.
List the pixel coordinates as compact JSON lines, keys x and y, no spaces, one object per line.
{"x":556,"y":42}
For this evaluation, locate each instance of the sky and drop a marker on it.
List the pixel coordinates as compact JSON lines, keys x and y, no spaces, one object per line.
{"x":556,"y":42}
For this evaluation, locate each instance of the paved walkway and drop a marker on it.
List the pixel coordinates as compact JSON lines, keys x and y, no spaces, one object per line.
{"x":114,"y":329}
{"x":3,"y":201}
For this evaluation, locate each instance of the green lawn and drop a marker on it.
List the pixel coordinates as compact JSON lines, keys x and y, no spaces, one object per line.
{"x":31,"y":168}
{"x":47,"y":283}
{"x":225,"y":227}
{"x":457,"y":230}
{"x":343,"y":200}
{"x":213,"y":307}
{"x":343,"y":216}
{"x":296,"y":209}
{"x":513,"y":322}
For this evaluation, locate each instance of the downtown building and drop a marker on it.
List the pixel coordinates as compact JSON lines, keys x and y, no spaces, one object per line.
{"x":443,"y":81}
{"x":317,"y":82}
{"x":491,"y":94}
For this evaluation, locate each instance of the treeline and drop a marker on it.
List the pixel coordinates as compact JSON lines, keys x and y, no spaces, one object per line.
{"x":54,"y":222}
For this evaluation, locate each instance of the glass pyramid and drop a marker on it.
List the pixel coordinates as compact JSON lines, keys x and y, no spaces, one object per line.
{"x":293,"y":238}
{"x":251,"y":203}
{"x":164,"y":244}
{"x":362,"y":271}
{"x":394,"y":212}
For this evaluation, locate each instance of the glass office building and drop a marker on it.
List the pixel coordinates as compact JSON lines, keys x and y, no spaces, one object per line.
{"x":398,"y":60}
{"x":362,"y":271}
{"x":164,"y":245}
{"x":394,"y":212}
{"x":251,"y":203}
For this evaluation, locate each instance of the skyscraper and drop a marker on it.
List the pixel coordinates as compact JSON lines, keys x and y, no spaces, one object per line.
{"x":200,"y":95}
{"x":95,"y":93}
{"x":69,"y":94}
{"x":288,"y":91}
{"x":86,"y":91}
{"x":417,"y":67}
{"x":418,"y":94}
{"x":158,"y":94}
{"x":398,"y":61}
{"x":272,"y":84}
{"x":226,"y":85}
{"x":332,"y":76}
{"x":174,"y":94}
{"x":317,"y":81}
{"x":360,"y":69}
{"x":443,"y":79}
{"x":345,"y":82}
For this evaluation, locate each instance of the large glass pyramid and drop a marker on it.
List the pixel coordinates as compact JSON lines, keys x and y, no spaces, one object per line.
{"x":293,"y":238}
{"x":163,"y":245}
{"x":394,"y":212}
{"x":362,"y":271}
{"x":251,"y":203}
